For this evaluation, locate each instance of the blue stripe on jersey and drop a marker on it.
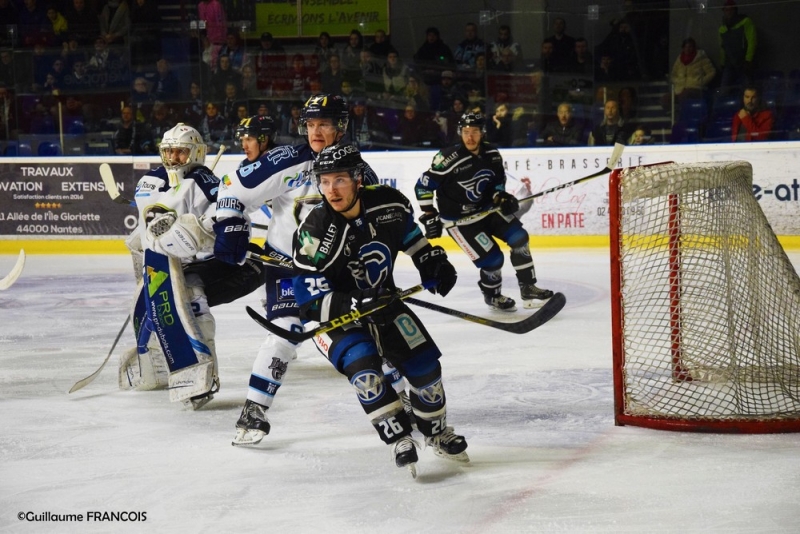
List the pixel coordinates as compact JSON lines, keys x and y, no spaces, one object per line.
{"x":264,"y":385}
{"x":413,"y":235}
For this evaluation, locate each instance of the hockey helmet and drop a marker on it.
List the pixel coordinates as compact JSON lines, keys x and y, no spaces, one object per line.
{"x":185,"y":138}
{"x":261,"y":127}
{"x":324,"y":106}
{"x":472,"y":118}
{"x":339,"y":158}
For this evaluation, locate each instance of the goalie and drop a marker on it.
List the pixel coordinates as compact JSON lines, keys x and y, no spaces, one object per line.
{"x":179,"y":280}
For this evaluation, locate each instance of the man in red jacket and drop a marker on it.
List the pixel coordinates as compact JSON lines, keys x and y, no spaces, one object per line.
{"x":752,"y":122}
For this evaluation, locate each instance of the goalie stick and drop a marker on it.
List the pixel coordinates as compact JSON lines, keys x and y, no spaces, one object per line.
{"x":327,"y":326}
{"x":9,"y":279}
{"x":86,"y":381}
{"x":549,"y":310}
{"x":612,"y":163}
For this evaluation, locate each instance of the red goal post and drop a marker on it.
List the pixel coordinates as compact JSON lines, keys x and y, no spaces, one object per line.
{"x":705,"y":303}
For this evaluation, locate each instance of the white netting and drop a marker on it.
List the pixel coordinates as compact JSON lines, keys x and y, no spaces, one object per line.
{"x":710,"y":302}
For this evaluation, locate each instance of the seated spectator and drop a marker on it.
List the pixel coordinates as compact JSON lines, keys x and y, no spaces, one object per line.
{"x":331,"y":78}
{"x":222,"y":76}
{"x":32,"y":23}
{"x":82,"y":21}
{"x":432,"y":57}
{"x":58,"y":23}
{"x":395,"y":77}
{"x":563,"y":46}
{"x":300,"y":78}
{"x":141,"y":99}
{"x":351,"y":56}
{"x":214,"y":128}
{"x":166,"y":86}
{"x":582,"y":61}
{"x":451,"y":118}
{"x":380,"y":47}
{"x":195,"y":109}
{"x":612,"y":130}
{"x":564,"y":131}
{"x":442,"y":95}
{"x":468,"y":49}
{"x":691,"y":73}
{"x":505,"y":42}
{"x":506,"y":63}
{"x":160,"y":121}
{"x":417,"y":93}
{"x":234,"y":50}
{"x":323,"y":51}
{"x":115,"y":22}
{"x":249,"y":88}
{"x":367,"y":130}
{"x":753,"y":122}
{"x":628,"y":105}
{"x":605,"y":71}
{"x":290,"y":124}
{"x":132,"y":137}
{"x":639,"y":137}
{"x":77,"y":80}
{"x":417,"y":129}
{"x":499,"y":130}
{"x":231,"y":104}
{"x":371,"y":78}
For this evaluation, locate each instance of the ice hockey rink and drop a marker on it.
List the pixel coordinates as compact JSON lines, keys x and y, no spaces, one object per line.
{"x":536,"y":409}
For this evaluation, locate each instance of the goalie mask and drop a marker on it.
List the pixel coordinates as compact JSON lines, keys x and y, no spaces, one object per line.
{"x":324,"y":107}
{"x":182,"y":149}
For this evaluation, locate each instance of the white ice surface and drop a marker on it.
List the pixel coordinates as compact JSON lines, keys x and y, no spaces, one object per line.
{"x":537,"y":410}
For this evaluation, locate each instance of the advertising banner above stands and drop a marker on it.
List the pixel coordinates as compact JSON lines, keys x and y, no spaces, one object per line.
{"x":65,"y":198}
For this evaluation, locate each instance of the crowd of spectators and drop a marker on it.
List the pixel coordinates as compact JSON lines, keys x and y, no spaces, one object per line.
{"x":111,"y":66}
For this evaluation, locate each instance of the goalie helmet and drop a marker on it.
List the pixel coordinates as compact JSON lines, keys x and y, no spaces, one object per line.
{"x":339,"y":158}
{"x":472,"y":118}
{"x":189,"y":142}
{"x":261,"y":127}
{"x":324,"y":106}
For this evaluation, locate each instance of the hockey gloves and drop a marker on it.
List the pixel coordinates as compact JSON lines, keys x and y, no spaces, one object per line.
{"x":433,"y":265}
{"x":507,"y":202}
{"x":432,"y":223}
{"x":233,"y":239}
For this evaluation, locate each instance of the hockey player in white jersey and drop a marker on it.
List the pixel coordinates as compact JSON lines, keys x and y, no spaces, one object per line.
{"x":283,"y":177}
{"x":176,"y":203}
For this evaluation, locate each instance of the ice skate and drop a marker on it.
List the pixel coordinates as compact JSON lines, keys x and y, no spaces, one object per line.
{"x":408,"y":408}
{"x":252,"y":425}
{"x":449,"y":445}
{"x":533,"y":297}
{"x":404,"y":452}
{"x":496,"y":301}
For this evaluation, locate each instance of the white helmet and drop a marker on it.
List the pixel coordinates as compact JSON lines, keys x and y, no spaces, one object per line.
{"x":184,"y":137}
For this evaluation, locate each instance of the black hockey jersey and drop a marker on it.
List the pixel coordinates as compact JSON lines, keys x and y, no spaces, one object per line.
{"x":462,"y":182}
{"x":332,"y":253}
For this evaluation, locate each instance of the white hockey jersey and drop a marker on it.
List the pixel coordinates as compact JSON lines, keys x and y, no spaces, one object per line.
{"x":196,"y":194}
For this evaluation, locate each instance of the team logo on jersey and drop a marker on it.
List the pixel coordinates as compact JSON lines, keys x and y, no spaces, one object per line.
{"x":475,"y":186}
{"x":284,"y":290}
{"x":278,"y":368}
{"x":377,"y":261}
{"x":226,"y":181}
{"x":298,"y":180}
{"x":281,"y":153}
{"x":369,"y":386}
{"x":433,"y":394}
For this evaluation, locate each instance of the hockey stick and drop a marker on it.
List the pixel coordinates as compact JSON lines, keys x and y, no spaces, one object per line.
{"x":9,"y":279}
{"x":270,"y":261}
{"x":327,"y":326}
{"x":542,"y":315}
{"x":86,"y":381}
{"x":111,"y":186}
{"x":612,"y":162}
{"x":222,"y":148}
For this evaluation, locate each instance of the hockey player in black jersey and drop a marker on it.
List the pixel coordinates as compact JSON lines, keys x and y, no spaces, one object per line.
{"x":344,"y":255}
{"x":468,"y":178}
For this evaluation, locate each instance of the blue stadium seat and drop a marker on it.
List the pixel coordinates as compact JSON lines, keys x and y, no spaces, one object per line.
{"x":47,"y":148}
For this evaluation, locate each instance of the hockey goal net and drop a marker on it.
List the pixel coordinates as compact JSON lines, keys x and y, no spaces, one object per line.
{"x":705,"y":303}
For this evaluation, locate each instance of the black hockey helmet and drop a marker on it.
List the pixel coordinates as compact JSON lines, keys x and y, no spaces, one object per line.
{"x":472,"y":118}
{"x":324,"y":106}
{"x":261,"y":127}
{"x":338,"y":158}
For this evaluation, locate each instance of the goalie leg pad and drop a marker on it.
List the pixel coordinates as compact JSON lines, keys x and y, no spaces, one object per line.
{"x":143,"y":372}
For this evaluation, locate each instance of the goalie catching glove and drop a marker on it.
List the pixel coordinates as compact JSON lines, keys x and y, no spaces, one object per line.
{"x":432,"y":223}
{"x":179,"y":237}
{"x":233,"y":240}
{"x":507,"y":202}
{"x":434,"y":265}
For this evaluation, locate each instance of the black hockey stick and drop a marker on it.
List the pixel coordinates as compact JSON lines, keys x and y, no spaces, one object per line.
{"x":327,"y":326}
{"x":86,"y":381}
{"x":549,"y":310}
{"x":270,"y":261}
{"x":612,"y":162}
